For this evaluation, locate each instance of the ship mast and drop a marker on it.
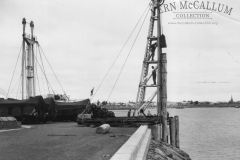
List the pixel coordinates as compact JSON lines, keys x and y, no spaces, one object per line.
{"x":23,"y":57}
{"x":161,"y":75}
{"x":28,"y":69}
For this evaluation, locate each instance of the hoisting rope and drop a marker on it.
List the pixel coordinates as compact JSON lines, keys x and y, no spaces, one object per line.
{"x":52,"y":69}
{"x":120,"y":51}
{"x":14,"y":71}
{"x":127,"y":56}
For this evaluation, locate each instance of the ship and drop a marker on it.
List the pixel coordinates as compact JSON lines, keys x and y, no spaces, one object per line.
{"x":33,"y":108}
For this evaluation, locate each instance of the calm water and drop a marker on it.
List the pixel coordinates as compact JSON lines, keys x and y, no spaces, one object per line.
{"x":208,"y":133}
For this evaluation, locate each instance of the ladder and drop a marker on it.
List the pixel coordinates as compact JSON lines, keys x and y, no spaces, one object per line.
{"x":145,"y":76}
{"x":147,"y":103}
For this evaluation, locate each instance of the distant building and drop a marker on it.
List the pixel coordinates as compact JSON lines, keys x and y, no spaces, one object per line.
{"x":171,"y":103}
{"x":231,"y":101}
{"x":205,"y":103}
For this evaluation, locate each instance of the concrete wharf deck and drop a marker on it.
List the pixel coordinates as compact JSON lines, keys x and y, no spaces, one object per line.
{"x":61,"y":141}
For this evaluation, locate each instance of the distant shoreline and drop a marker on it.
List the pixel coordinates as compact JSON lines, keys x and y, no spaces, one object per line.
{"x":175,"y":107}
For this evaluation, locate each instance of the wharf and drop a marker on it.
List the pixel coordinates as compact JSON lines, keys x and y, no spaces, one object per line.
{"x":61,"y":141}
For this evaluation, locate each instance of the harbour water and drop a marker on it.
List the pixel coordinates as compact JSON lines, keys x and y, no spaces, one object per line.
{"x":207,"y":133}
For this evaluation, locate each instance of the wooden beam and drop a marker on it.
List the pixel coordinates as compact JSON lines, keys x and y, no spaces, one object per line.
{"x":152,"y":38}
{"x":149,"y":85}
{"x":150,"y":62}
{"x":159,"y":74}
{"x":164,"y":96}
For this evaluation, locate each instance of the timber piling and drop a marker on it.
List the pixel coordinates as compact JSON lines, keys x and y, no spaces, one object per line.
{"x":174,"y":131}
{"x":177,"y":132}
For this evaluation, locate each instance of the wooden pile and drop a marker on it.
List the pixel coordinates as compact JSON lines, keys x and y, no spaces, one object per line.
{"x":159,"y":150}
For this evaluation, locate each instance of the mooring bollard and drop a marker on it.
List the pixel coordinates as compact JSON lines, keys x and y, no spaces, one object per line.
{"x":172,"y":131}
{"x":177,"y":131}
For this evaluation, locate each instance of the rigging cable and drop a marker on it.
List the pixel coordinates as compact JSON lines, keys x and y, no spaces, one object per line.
{"x":14,"y":71}
{"x":45,"y":75}
{"x":233,"y":58}
{"x":25,"y":66}
{"x":46,"y":78}
{"x":128,"y":56}
{"x":37,"y":74}
{"x":52,"y":69}
{"x":16,"y":84}
{"x":120,"y":51}
{"x":19,"y":84}
{"x":3,"y":93}
{"x":43,"y":68}
{"x":20,"y":91}
{"x":42,"y":74}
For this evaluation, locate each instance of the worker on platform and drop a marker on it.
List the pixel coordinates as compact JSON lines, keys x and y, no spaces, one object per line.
{"x":152,"y":50}
{"x":142,"y":112}
{"x":154,"y":75}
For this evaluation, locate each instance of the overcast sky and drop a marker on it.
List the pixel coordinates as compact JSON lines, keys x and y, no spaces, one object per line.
{"x":82,"y":38}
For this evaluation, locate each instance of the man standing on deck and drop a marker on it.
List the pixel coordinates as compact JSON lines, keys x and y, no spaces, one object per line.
{"x":154,"y":75}
{"x":152,"y":50}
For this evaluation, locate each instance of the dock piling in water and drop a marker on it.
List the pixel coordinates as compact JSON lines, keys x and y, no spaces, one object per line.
{"x":177,"y":132}
{"x":172,"y":131}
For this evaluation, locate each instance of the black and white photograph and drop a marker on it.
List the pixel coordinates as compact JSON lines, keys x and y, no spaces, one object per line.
{"x":119,"y":80}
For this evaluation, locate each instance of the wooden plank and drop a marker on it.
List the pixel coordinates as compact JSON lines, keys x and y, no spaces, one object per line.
{"x":148,"y":85}
{"x":150,"y":62}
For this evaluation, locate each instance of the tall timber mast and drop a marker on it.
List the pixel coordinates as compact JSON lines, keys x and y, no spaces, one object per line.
{"x":159,"y":121}
{"x":28,"y":65}
{"x":160,"y":69}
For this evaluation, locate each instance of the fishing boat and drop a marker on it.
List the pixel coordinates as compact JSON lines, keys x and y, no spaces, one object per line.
{"x":35,"y":108}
